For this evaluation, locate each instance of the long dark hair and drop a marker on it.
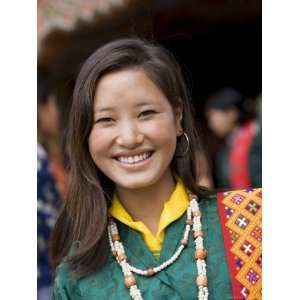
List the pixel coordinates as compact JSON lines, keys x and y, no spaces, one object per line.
{"x":80,"y":234}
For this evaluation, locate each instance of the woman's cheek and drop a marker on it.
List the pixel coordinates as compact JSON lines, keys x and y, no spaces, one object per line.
{"x":98,"y":139}
{"x":164,"y":128}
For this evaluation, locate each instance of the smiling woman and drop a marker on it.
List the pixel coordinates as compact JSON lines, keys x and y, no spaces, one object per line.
{"x":133,"y":201}
{"x":134,"y":141}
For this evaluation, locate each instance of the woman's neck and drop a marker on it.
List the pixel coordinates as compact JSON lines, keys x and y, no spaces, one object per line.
{"x":146,"y":204}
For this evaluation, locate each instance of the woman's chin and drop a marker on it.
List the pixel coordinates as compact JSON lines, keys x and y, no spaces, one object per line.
{"x":133,"y":185}
{"x":135,"y":182}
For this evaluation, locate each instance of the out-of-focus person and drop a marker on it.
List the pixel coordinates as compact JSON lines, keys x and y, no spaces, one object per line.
{"x":50,"y":180}
{"x":48,"y":203}
{"x":239,"y":161}
{"x":49,"y":131}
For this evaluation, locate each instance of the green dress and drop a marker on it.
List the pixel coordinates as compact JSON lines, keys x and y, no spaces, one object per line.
{"x":178,"y":281}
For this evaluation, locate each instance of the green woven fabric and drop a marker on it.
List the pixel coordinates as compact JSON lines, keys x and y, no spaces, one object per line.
{"x":176,"y":282}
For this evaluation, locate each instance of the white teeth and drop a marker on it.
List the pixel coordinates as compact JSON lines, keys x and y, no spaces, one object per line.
{"x":133,"y":159}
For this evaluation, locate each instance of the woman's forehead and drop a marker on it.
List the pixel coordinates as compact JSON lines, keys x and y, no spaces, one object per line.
{"x":128,"y":86}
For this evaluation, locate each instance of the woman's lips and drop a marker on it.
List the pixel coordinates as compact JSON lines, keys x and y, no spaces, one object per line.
{"x":134,"y":161}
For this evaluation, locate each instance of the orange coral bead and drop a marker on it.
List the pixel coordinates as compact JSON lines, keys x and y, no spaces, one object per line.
{"x":192,"y":197}
{"x":188,"y":222}
{"x":200,"y":254}
{"x":184,"y":242}
{"x":198,"y":233}
{"x":197,"y":213}
{"x":115,"y":237}
{"x":201,"y":280}
{"x":150,"y":272}
{"x":129,"y":281}
{"x":121,"y":257}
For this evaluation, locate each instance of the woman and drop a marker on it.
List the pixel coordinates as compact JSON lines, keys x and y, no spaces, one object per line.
{"x":239,"y":159}
{"x":131,"y":226}
{"x":49,"y":131}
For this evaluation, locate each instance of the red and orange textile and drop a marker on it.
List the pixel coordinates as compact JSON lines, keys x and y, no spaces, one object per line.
{"x":241,"y":221}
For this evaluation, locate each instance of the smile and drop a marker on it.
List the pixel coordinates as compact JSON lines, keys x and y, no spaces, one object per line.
{"x":134,"y":159}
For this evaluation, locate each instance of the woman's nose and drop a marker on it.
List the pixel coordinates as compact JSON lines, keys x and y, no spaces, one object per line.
{"x":129,"y":136}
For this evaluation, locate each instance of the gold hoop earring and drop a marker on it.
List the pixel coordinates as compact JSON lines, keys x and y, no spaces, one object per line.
{"x":187,"y":146}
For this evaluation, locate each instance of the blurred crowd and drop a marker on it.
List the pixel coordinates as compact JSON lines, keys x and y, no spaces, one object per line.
{"x":234,"y":140}
{"x":51,"y":179}
{"x":230,"y":159}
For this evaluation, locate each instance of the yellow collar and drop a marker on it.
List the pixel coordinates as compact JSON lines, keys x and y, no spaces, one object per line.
{"x":173,"y":209}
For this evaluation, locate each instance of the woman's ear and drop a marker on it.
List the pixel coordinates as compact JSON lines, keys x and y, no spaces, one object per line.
{"x":178,"y":120}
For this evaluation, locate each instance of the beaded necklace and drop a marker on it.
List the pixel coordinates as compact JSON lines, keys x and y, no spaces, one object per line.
{"x":193,"y":219}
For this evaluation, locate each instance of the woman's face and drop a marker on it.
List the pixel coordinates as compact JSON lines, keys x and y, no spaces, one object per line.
{"x":222,"y":122}
{"x":133,"y":139}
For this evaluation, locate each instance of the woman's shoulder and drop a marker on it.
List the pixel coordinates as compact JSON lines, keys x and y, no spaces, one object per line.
{"x":234,"y":196}
{"x":65,"y":284}
{"x":68,"y":286}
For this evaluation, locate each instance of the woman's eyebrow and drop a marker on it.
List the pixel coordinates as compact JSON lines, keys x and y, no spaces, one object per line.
{"x":110,"y":109}
{"x":144,"y":103}
{"x":103,"y":109}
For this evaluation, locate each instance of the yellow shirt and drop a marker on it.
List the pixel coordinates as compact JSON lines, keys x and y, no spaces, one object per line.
{"x":173,"y":209}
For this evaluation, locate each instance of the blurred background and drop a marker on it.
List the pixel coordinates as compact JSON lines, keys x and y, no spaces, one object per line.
{"x":218,"y":44}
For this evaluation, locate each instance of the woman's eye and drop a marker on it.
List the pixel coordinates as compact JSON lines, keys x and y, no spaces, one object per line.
{"x":104,"y":120}
{"x":147,"y":113}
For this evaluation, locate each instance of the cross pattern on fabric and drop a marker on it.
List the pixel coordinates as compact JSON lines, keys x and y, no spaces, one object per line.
{"x":237,"y":198}
{"x":247,"y":248}
{"x":241,"y":213}
{"x":252,"y":207}
{"x":252,"y":276}
{"x":242,"y":221}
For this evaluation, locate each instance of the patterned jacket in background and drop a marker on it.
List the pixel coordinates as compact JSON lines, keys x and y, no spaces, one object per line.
{"x":48,"y":202}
